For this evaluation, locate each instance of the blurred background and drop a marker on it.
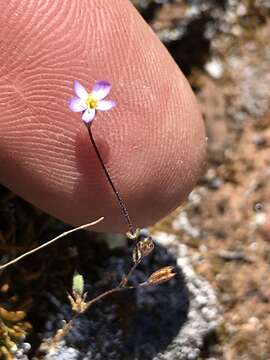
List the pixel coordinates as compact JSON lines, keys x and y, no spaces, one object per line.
{"x":223,"y":47}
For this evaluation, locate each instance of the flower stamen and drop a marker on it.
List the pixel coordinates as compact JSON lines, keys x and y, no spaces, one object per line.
{"x":91,"y":102}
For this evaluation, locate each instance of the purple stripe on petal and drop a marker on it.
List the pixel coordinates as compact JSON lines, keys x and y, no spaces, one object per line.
{"x":79,"y":90}
{"x":104,"y":105}
{"x":88,"y":116}
{"x":76,"y":105}
{"x":101,"y":89}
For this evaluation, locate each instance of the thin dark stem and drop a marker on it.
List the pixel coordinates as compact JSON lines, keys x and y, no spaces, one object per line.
{"x":122,"y":205}
{"x":106,"y":293}
{"x":125,"y":279}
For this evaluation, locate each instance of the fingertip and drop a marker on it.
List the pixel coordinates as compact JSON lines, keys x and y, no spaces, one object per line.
{"x":154,"y":137}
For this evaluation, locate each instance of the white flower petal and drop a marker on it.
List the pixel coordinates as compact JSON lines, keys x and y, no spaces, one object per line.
{"x":101,"y":89}
{"x":79,"y":90}
{"x":104,"y":105}
{"x":76,"y":105}
{"x":88,"y":116}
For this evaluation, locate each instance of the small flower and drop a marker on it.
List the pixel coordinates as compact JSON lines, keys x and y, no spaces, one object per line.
{"x":88,"y":103}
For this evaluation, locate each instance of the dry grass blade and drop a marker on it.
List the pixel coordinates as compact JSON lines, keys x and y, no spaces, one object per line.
{"x":2,"y":267}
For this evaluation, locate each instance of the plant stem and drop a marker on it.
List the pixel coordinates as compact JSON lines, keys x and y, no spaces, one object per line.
{"x":106,"y":293}
{"x":125,"y":279}
{"x":121,"y":202}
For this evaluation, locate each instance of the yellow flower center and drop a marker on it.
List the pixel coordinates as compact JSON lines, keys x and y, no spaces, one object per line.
{"x":91,"y":102}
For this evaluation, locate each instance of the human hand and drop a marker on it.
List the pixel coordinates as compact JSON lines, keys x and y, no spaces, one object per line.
{"x":153,"y":142}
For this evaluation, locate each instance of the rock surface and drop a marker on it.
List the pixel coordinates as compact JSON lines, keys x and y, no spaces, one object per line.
{"x":164,"y":322}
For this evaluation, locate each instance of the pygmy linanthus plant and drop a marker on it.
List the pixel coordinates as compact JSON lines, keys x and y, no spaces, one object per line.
{"x":88,"y":103}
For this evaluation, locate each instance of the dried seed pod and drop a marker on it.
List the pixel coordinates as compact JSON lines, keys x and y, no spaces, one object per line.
{"x":162,"y":275}
{"x":143,"y":248}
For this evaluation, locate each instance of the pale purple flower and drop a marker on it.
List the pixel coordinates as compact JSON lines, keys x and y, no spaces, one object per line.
{"x":89,"y":103}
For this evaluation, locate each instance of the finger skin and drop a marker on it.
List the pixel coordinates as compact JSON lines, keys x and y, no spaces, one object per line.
{"x":153,"y":141}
